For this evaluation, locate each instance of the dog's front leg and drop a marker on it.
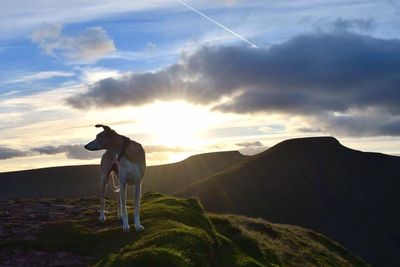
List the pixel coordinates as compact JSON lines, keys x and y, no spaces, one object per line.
{"x":103,"y":186}
{"x":138,"y":192}
{"x":124,"y":213}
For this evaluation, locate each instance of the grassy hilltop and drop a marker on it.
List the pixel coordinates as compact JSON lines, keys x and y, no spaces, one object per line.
{"x":177,"y":232}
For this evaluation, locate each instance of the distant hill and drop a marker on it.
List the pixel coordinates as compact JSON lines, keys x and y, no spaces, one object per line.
{"x":173,"y":177}
{"x":84,"y":180}
{"x":66,"y":232}
{"x":348,"y":195}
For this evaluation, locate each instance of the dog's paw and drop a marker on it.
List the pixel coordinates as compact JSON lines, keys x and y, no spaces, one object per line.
{"x":102,"y":217}
{"x":125,"y":222}
{"x":126,"y":228}
{"x":139,"y":227}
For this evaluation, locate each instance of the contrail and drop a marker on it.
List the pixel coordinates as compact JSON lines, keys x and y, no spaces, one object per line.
{"x":215,"y":22}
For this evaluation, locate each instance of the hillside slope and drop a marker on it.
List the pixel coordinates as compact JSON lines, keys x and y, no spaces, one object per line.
{"x":173,"y":177}
{"x":66,"y":232}
{"x":348,"y":195}
{"x":84,"y":181}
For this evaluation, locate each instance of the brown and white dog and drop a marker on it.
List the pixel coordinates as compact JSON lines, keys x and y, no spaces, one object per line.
{"x":126,"y":159}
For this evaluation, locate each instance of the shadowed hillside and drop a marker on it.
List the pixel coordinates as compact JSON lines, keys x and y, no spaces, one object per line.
{"x":83,"y":181}
{"x":173,"y":177}
{"x":66,"y":232}
{"x":350,"y":196}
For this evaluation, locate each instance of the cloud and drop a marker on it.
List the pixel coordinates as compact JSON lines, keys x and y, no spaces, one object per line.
{"x":151,"y":47}
{"x":315,"y":74}
{"x":79,"y":152}
{"x":226,"y":2}
{"x":340,"y":24}
{"x":71,"y":151}
{"x":160,"y":148}
{"x":249,"y":143}
{"x":46,"y":32}
{"x":85,"y":47}
{"x":8,"y":153}
{"x":50,"y":150}
{"x":42,"y":75}
{"x":350,"y":24}
{"x":364,"y":123}
{"x":25,"y":16}
{"x":251,"y":147}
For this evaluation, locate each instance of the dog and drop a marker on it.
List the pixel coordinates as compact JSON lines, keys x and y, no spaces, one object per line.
{"x":125,"y":159}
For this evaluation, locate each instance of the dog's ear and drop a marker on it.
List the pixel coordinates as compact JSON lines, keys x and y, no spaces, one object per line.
{"x":105,"y":127}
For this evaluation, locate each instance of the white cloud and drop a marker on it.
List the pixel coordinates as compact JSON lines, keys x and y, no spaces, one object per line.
{"x":18,"y":17}
{"x":150,"y":46}
{"x":251,"y":147}
{"x":86,"y":47}
{"x":41,"y":75}
{"x":45,"y":32}
{"x":91,"y":74}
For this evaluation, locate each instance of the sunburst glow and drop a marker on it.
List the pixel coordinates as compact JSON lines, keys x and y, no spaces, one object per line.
{"x":177,"y":123}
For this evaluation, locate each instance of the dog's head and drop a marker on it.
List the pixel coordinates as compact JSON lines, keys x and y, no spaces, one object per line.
{"x":104,"y":140}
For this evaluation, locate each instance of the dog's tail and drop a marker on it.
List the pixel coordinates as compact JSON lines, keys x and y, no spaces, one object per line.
{"x":116,"y":187}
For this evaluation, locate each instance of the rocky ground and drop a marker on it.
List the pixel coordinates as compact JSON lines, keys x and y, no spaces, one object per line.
{"x":22,"y":219}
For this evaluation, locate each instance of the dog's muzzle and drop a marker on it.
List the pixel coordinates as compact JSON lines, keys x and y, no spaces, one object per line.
{"x":92,"y":146}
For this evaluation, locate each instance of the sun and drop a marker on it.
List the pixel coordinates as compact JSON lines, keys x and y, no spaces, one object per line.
{"x":177,"y":123}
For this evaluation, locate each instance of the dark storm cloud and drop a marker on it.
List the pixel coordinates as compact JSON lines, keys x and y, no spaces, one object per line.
{"x":362,"y":125}
{"x":71,"y":151}
{"x":392,"y":128}
{"x":319,"y":73}
{"x":8,"y":153}
{"x":325,"y":72}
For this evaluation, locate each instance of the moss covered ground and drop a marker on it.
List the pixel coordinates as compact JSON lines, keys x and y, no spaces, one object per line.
{"x":178,"y":232}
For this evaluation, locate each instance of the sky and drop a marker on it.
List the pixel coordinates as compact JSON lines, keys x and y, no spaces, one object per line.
{"x":183,"y":78}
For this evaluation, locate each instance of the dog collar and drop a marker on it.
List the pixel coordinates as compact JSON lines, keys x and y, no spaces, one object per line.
{"x":125,"y":143}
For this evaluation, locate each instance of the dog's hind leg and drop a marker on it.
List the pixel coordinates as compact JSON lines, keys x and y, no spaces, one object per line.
{"x":124,"y":215}
{"x":138,"y":192}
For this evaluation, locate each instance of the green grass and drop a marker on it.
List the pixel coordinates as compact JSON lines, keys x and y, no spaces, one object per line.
{"x":179,"y":233}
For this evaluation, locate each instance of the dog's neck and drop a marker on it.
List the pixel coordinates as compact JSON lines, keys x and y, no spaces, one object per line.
{"x":118,"y":145}
{"x":125,"y":144}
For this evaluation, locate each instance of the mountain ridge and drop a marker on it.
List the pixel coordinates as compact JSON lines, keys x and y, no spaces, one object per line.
{"x":84,"y":180}
{"x":316,"y":183}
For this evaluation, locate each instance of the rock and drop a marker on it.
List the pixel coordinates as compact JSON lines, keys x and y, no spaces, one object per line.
{"x":61,"y":254}
{"x":39,"y":253}
{"x":29,"y":237}
{"x":20,"y":260}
